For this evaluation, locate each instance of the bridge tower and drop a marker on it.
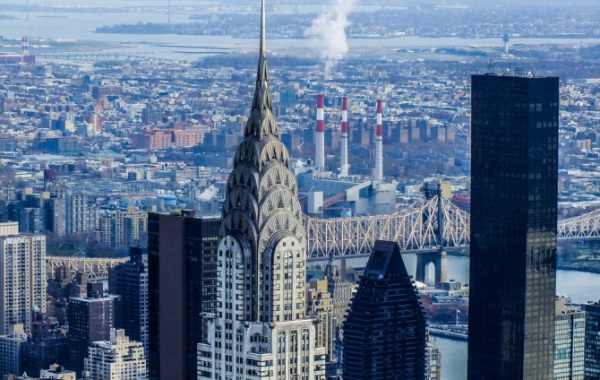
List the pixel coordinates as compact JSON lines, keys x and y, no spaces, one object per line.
{"x":439,"y":259}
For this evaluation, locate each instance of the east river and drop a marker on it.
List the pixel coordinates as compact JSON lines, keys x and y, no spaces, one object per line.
{"x":580,"y":286}
{"x":68,"y":25}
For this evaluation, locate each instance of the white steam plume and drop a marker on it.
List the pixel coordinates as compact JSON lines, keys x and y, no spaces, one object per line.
{"x":344,"y":171}
{"x":208,"y":194}
{"x":328,"y":32}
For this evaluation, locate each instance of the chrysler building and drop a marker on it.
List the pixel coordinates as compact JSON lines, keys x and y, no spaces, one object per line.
{"x":260,"y":329}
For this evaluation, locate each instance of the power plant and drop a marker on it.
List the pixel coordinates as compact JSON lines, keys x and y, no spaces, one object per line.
{"x":25,"y":58}
{"x":331,"y":195}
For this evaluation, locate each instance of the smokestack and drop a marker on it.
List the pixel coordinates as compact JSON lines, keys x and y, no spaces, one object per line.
{"x":379,"y":143}
{"x":320,"y":134}
{"x":25,"y":46}
{"x":344,"y":154}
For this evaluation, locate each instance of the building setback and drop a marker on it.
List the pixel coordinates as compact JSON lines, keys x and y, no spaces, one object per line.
{"x":116,"y":359}
{"x":385,"y":330}
{"x":513,"y":227}
{"x":182,"y":281}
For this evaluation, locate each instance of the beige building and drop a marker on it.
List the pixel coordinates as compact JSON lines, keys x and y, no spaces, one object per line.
{"x":117,"y":359}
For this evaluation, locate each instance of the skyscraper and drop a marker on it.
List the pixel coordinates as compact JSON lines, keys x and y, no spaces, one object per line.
{"x":514,"y":124}
{"x":22,"y":276}
{"x":385,"y":330}
{"x":592,"y":341}
{"x":260,"y":328}
{"x":182,"y":286}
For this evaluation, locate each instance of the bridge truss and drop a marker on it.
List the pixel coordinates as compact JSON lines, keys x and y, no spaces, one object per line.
{"x":416,"y":228}
{"x":583,"y":227}
{"x":95,"y":268}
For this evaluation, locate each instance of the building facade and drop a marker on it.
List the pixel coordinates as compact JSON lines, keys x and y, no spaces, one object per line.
{"x":130,"y":281}
{"x":592,"y":341}
{"x":569,"y":341}
{"x":182,"y":290}
{"x":514,"y":178}
{"x":11,"y":347}
{"x":260,"y":329}
{"x":22,"y":276}
{"x":91,"y":318}
{"x":385,"y":330}
{"x":116,"y":359}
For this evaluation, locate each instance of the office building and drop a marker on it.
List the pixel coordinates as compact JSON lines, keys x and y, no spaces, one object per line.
{"x":130,"y":281}
{"x":385,"y":330}
{"x":514,"y":182}
{"x":11,"y":346}
{"x":90,"y":319}
{"x":116,"y":359}
{"x":569,"y":341}
{"x":260,"y":328}
{"x":182,"y":286}
{"x":592,"y":340}
{"x":22,"y":276}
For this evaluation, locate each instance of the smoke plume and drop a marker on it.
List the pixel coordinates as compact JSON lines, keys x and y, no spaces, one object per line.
{"x":344,"y":171}
{"x":328,"y":32}
{"x":208,"y":194}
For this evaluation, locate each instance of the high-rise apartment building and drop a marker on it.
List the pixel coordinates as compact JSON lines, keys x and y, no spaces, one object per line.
{"x":116,"y":359}
{"x":514,"y":177}
{"x":130,"y":281}
{"x":182,"y":286}
{"x":385,"y":330}
{"x":569,"y":341}
{"x":592,"y":340}
{"x":77,"y":213}
{"x":22,"y":276}
{"x":433,"y":362}
{"x":90,"y":319}
{"x":260,"y":329}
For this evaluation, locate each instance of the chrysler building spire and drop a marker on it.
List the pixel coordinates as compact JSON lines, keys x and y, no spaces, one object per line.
{"x":260,"y":328}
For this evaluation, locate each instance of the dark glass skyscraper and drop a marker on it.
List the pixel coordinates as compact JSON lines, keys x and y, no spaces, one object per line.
{"x":385,"y":331}
{"x":592,"y":341}
{"x":514,"y":156}
{"x":182,"y":286}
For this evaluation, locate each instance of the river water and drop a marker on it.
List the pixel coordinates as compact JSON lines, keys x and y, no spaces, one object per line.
{"x":81,"y":26}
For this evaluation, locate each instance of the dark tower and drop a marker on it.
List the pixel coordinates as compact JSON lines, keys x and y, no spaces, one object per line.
{"x":385,"y":331}
{"x":182,"y":287}
{"x":130,"y":281}
{"x":513,"y":227}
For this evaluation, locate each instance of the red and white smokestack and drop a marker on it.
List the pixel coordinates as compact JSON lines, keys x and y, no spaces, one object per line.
{"x":344,"y":143}
{"x":320,"y":134}
{"x":25,"y":46}
{"x":379,"y":143}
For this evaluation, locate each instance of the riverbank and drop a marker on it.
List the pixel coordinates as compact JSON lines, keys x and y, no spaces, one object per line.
{"x":590,"y":266}
{"x":448,"y":334}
